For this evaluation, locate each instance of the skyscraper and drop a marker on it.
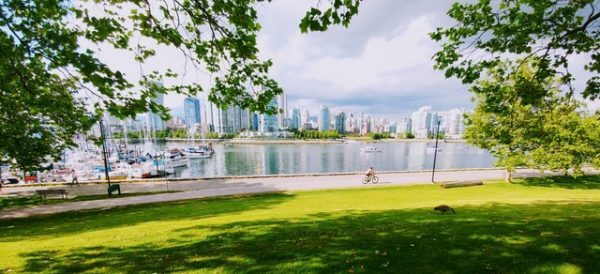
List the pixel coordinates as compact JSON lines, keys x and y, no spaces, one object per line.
{"x":230,"y":120}
{"x":191,"y":107}
{"x":433,"y":127}
{"x":296,"y":118}
{"x":421,"y":122}
{"x":366,"y":124}
{"x":324,"y":121}
{"x":283,"y":113}
{"x":305,"y":117}
{"x":154,"y":119}
{"x":405,"y":125}
{"x":340,"y":122}
{"x":455,"y":123}
{"x":269,"y":123}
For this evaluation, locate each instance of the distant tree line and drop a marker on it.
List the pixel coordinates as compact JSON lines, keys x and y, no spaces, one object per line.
{"x":315,"y":134}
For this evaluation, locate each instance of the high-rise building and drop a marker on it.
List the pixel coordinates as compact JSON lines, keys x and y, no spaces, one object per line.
{"x":392,"y":127}
{"x":366,"y":126}
{"x":324,"y":121}
{"x":405,"y":126}
{"x":269,"y":123}
{"x":455,"y":123}
{"x":134,"y":125}
{"x":283,"y":113}
{"x":154,"y":119}
{"x":305,"y":117}
{"x":229,"y":120}
{"x":253,"y":121}
{"x":191,"y":107}
{"x":340,"y":122}
{"x":350,"y":123}
{"x":421,"y":122}
{"x":295,"y":118}
{"x":435,"y":118}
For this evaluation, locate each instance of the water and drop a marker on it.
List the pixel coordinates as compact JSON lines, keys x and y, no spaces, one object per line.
{"x":266,"y":159}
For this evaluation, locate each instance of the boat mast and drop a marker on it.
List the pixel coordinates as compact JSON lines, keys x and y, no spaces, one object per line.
{"x":104,"y":152}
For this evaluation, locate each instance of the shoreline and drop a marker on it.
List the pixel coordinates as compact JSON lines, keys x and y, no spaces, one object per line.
{"x":295,"y":141}
{"x":313,"y":141}
{"x":238,"y":177}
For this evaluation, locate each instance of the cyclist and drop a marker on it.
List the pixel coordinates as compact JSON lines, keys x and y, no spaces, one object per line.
{"x":370,"y":172}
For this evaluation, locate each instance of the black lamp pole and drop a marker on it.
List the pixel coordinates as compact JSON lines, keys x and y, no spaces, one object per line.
{"x":436,"y":149}
{"x":104,"y":152}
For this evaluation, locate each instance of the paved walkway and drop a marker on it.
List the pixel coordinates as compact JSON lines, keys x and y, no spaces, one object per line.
{"x":221,"y":187}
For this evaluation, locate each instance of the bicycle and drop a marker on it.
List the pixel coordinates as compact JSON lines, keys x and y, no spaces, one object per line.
{"x":373,"y":179}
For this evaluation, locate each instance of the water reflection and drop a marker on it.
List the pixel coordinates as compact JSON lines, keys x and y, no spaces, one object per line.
{"x":264,"y":159}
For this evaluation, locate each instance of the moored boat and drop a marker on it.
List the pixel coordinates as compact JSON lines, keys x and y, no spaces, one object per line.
{"x":369,"y":149}
{"x":200,"y":152}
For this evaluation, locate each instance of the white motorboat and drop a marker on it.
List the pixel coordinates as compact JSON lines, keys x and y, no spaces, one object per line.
{"x":200,"y":152}
{"x":171,"y":159}
{"x":119,"y":174}
{"x":432,"y":149}
{"x":369,"y":149}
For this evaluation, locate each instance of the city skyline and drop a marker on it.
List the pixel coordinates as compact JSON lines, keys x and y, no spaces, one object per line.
{"x":421,"y":122}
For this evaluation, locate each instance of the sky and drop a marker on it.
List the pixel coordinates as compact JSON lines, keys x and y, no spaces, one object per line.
{"x":380,"y":65}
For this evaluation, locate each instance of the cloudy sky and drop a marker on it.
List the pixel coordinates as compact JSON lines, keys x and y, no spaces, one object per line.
{"x":381,"y":65}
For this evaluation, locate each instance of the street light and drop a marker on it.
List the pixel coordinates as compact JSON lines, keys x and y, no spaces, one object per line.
{"x":104,"y":153}
{"x":435,"y":151}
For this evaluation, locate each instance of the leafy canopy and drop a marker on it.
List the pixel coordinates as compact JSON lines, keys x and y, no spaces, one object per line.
{"x":489,"y":32}
{"x":52,"y":87}
{"x":548,"y":133}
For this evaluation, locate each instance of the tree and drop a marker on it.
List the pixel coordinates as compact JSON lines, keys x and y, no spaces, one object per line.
{"x":550,"y":31}
{"x":52,"y":87}
{"x":548,"y":133}
{"x":568,"y":141}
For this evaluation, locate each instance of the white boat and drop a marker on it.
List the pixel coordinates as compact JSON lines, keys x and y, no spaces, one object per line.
{"x":432,"y":149}
{"x":141,"y":170}
{"x":118,"y":174}
{"x":171,"y":159}
{"x":200,"y":152}
{"x":369,"y":149}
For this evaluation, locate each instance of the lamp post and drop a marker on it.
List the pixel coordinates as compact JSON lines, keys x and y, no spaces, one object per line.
{"x":104,"y":152}
{"x":435,"y":151}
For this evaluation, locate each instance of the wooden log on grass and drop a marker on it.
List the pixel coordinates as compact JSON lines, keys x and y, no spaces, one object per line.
{"x":461,"y":183}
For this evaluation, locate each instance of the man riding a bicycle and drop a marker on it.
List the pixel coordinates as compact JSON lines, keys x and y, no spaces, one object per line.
{"x":370,"y":176}
{"x":370,"y":172}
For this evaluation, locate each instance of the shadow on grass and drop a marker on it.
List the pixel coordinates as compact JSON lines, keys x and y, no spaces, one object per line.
{"x":20,"y":201}
{"x":583,"y":182}
{"x":81,"y":221}
{"x":32,"y":200}
{"x":496,"y":238}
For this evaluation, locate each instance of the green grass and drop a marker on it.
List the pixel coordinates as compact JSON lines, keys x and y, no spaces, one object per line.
{"x":32,"y":200}
{"x":498,"y":228}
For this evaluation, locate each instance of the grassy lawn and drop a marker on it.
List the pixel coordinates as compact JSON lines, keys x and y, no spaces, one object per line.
{"x":26,"y":201}
{"x":536,"y":226}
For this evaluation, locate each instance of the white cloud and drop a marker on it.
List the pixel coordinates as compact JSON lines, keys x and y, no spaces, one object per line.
{"x":381,"y":63}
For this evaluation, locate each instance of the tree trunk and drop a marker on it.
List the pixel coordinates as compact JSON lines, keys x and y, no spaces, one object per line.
{"x":508,"y":176}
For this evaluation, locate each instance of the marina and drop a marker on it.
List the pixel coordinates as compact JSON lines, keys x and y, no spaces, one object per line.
{"x":185,"y":160}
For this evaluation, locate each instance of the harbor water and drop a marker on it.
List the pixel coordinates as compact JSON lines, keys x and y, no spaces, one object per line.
{"x":302,"y":158}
